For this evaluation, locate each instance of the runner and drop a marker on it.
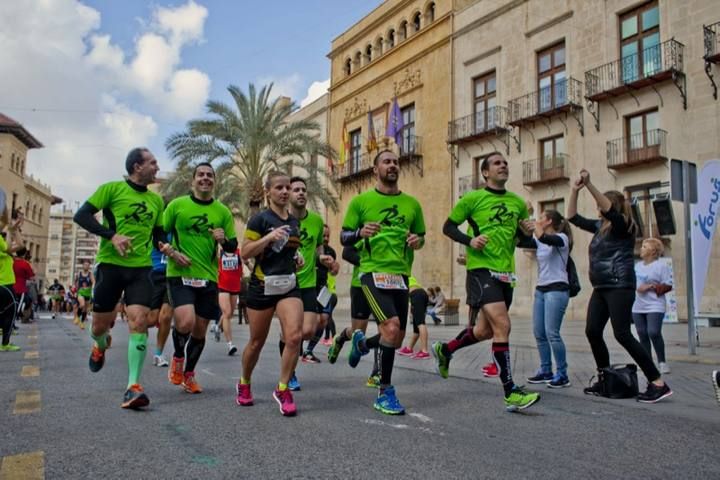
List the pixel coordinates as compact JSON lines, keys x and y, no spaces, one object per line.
{"x":230,"y":285}
{"x":56,"y":293}
{"x":8,"y":306}
{"x":391,"y":225}
{"x":84,"y":281}
{"x":418,"y":307}
{"x":326,"y":264}
{"x":131,"y":224}
{"x":272,"y":238}
{"x":161,"y":312}
{"x":198,"y":224}
{"x":23,"y":274}
{"x":495,"y":216}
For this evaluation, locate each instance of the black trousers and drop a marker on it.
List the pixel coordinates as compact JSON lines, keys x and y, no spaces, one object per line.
{"x":615,"y":304}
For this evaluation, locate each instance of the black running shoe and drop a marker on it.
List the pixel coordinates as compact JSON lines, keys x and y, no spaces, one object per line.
{"x":594,"y":389}
{"x":654,"y":394}
{"x":135,"y":397}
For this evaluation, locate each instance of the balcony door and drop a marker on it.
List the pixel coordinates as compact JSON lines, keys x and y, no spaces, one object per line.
{"x":485,"y":98}
{"x":640,"y":51}
{"x":643,"y":137}
{"x":552,"y":82}
{"x":552,"y":155}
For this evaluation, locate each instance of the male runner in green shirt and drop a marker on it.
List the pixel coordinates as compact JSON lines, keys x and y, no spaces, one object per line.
{"x":494,"y":216}
{"x":391,"y":225}
{"x":198,"y":223}
{"x":131,"y":224}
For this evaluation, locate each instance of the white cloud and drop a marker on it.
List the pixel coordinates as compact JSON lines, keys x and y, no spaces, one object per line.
{"x":316,"y":90}
{"x":282,"y":86}
{"x":94,"y":100}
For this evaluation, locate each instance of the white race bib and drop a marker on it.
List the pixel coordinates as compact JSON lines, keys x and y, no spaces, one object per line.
{"x":194,"y":282}
{"x":505,"y":277}
{"x":389,"y":281}
{"x":324,"y":296}
{"x":279,"y":284}
{"x":230,"y":263}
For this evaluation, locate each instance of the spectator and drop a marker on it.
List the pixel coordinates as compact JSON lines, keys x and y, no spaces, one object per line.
{"x":437,"y":304}
{"x":23,"y":273}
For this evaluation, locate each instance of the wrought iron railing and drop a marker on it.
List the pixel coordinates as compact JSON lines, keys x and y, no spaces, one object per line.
{"x":711,"y":40}
{"x":410,"y":146}
{"x":477,"y":124}
{"x":546,"y":169}
{"x":565,"y":93}
{"x":354,"y":165}
{"x":636,"y":149}
{"x":469,"y":183}
{"x":663,"y":58}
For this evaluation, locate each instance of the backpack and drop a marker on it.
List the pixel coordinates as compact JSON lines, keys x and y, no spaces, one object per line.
{"x":618,"y":381}
{"x":573,"y":279}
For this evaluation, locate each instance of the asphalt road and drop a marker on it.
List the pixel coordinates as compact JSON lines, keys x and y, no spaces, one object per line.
{"x":455,"y":428}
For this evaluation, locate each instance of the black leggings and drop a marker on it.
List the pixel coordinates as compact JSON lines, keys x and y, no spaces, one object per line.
{"x":7,"y":312}
{"x":616,"y":304}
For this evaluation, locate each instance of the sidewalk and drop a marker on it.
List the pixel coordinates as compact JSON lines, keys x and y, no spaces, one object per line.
{"x":689,"y":379}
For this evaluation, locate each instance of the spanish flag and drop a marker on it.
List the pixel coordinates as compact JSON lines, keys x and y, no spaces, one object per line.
{"x":345,"y":145}
{"x":371,"y":139}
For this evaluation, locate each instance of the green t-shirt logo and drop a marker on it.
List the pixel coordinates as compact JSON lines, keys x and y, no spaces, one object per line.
{"x":200,"y":224}
{"x":139,"y":214}
{"x":303,"y":235}
{"x":502,"y":215}
{"x":392,"y":217}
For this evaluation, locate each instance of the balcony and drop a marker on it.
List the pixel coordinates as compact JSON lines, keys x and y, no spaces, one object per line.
{"x":409,"y":151}
{"x":410,"y":147}
{"x":564,"y":96}
{"x":640,"y":149}
{"x":469,"y":183}
{"x":711,"y":41}
{"x":546,"y":170}
{"x":354,"y":167}
{"x":478,"y":125}
{"x":653,"y":65}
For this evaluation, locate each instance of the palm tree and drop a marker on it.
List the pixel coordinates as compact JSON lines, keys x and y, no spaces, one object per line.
{"x":245,"y":142}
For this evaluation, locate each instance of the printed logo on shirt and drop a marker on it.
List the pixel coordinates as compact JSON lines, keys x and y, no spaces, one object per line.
{"x":140,"y":214}
{"x":200,"y":224}
{"x":392,"y":217}
{"x":502,"y":215}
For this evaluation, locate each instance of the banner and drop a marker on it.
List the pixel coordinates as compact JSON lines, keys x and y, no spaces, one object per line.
{"x":704,"y":216}
{"x":671,"y":311}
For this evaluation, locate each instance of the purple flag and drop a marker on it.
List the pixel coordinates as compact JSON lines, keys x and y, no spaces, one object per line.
{"x":395,"y":123}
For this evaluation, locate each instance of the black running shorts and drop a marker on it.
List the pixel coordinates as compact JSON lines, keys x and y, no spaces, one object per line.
{"x":204,"y":299}
{"x":257,"y":300}
{"x":418,"y":307}
{"x":160,"y":291}
{"x":386,"y":304}
{"x":359,"y":308}
{"x":482,"y":289}
{"x":112,"y":280}
{"x":309,"y":299}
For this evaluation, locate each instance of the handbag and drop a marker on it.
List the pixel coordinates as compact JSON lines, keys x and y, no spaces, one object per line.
{"x":618,"y":381}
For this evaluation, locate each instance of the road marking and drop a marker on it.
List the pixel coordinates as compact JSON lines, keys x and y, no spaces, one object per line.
{"x":28,"y":466}
{"x":400,"y":426}
{"x":421,"y":417}
{"x":27,"y":401}
{"x":30,"y":371}
{"x":31,"y":355}
{"x":205,"y":370}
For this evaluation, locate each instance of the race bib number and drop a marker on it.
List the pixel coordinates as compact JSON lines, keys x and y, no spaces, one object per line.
{"x":230,"y":263}
{"x":163,"y":259}
{"x":505,"y":277}
{"x":389,"y":281}
{"x":194,"y":282}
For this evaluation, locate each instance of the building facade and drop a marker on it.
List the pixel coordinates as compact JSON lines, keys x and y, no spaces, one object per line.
{"x":618,"y":87}
{"x":24,"y":192}
{"x":68,"y":247}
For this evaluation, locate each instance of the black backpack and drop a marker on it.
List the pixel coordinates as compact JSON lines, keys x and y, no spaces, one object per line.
{"x":573,"y":279}
{"x":618,"y":381}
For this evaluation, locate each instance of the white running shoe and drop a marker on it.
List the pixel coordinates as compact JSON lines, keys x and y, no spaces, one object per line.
{"x":159,"y":361}
{"x":232,"y":349}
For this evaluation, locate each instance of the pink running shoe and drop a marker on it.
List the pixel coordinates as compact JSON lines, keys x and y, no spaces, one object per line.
{"x":244,"y":395}
{"x":421,"y":356}
{"x":405,"y":352}
{"x":490,"y":370}
{"x":284,"y":398}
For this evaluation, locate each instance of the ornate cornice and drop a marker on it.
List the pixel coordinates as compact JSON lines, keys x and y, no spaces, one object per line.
{"x":410,"y":81}
{"x":356,"y":109}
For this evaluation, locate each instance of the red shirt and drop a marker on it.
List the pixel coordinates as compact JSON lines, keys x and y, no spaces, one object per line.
{"x":230,"y":269}
{"x":23,"y":273}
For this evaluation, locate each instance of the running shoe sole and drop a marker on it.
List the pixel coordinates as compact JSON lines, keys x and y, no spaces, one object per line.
{"x":232,"y":351}
{"x":517,"y":408}
{"x":388,"y":412}
{"x":140,"y":401}
{"x":663,"y":396}
{"x":284,"y":414}
{"x":333,"y":351}
{"x":564,"y":385}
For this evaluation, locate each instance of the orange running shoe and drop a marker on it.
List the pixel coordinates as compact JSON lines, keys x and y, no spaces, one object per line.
{"x":190,"y":384}
{"x":135,"y":397}
{"x":175,"y":374}
{"x":97,"y":359}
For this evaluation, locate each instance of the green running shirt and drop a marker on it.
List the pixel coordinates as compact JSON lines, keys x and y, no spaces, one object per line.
{"x":7,"y":275}
{"x":129,"y":212}
{"x":189,"y":220}
{"x":387,"y":251}
{"x":311,"y":237}
{"x":497,"y":216}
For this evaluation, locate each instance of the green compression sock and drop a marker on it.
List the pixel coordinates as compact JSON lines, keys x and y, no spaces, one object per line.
{"x":137,"y":346}
{"x":100,"y":340}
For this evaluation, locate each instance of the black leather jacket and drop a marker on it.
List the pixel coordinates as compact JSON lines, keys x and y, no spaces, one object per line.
{"x":612,"y":264}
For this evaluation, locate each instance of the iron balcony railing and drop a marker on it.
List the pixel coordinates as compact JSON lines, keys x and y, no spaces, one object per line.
{"x":469,"y":183}
{"x":711,"y":37}
{"x":645,"y":147}
{"x":546,"y":169}
{"x":410,"y":146}
{"x":356,"y":164}
{"x":477,"y":125}
{"x":653,"y":64}
{"x":564,"y":95}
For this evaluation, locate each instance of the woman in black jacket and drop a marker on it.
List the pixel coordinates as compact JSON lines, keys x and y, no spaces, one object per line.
{"x":612,"y":275}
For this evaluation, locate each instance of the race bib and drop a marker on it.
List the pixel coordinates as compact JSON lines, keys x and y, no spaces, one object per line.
{"x":324,"y":296}
{"x":163,"y":259}
{"x":230,"y":263}
{"x":194,"y":282}
{"x":389,"y":281}
{"x":279,"y":284}
{"x":505,"y":277}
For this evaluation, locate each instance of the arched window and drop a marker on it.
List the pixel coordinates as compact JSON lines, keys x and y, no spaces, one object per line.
{"x":368,"y":54}
{"x":40,"y":215}
{"x":358,"y":59}
{"x":391,"y":38}
{"x":22,"y":168}
{"x":416,"y":22}
{"x":348,"y":67}
{"x":34,"y":212}
{"x":379,"y":46}
{"x":430,"y":13}
{"x":12,"y":161}
{"x":403,"y":30}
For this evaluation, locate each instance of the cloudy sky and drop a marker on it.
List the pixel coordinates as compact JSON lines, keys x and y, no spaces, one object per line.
{"x":93,"y":78}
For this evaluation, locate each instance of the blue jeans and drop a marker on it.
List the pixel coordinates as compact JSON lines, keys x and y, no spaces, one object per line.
{"x":548,"y":312}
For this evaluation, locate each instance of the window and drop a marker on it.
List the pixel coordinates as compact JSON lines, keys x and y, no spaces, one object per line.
{"x":416,"y":22}
{"x":552,"y":152}
{"x":37,"y":253}
{"x":403,"y":30}
{"x":557,"y":204}
{"x":348,"y":67}
{"x":355,"y":149}
{"x":391,"y":38}
{"x":484,"y":95}
{"x":408,"y":131}
{"x":641,"y":197}
{"x":552,"y":84}
{"x":478,"y":179}
{"x":358,"y":59}
{"x":379,"y":47}
{"x":430,"y":13}
{"x":642,"y":130}
{"x":368,"y":54}
{"x":640,"y":42}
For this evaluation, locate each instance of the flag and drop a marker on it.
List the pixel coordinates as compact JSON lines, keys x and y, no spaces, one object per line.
{"x":371,"y":140}
{"x":395,"y":123}
{"x":345,"y":145}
